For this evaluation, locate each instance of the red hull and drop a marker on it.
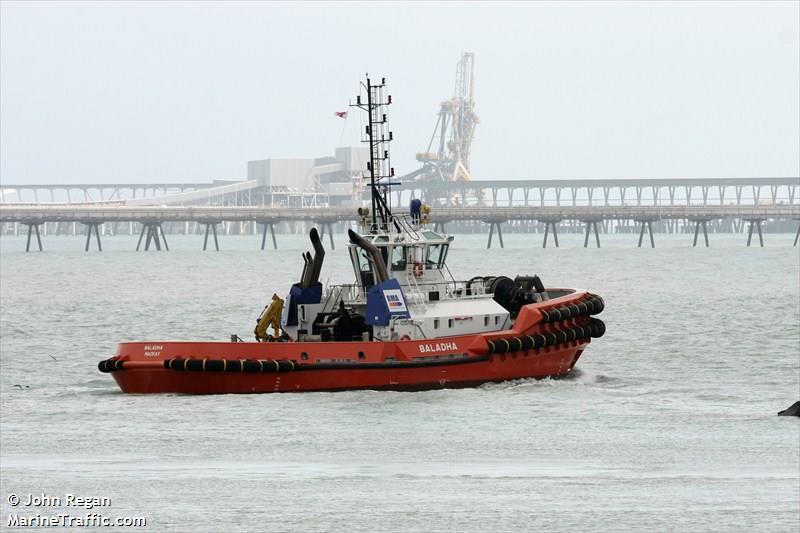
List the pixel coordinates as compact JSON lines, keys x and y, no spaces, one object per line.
{"x":500,"y":367}
{"x":465,"y":361}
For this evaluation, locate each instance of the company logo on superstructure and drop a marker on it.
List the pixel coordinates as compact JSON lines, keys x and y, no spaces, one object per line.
{"x":394,"y":300}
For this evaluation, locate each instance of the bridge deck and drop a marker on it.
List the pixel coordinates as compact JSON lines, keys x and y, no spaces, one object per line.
{"x":105,"y":213}
{"x":582,"y":183}
{"x":535,"y":183}
{"x":678,"y":191}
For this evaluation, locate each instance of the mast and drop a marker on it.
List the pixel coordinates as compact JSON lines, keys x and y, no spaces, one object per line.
{"x":379,"y":169}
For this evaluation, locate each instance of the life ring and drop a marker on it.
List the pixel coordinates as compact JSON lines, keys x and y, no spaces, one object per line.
{"x":418,"y":270}
{"x":405,"y":338}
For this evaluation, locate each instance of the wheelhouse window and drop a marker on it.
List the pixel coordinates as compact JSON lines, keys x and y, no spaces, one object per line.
{"x":363,"y":267}
{"x":398,"y":258}
{"x":443,"y":258}
{"x":435,"y":256}
{"x":384,"y":254}
{"x":363,"y":261}
{"x":382,"y":242}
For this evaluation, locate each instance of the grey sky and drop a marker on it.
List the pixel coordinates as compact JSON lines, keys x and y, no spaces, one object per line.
{"x":108,"y":92}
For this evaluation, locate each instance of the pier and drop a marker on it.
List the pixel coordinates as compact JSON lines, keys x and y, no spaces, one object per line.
{"x":638,"y":206}
{"x":493,"y":193}
{"x":642,"y":218}
{"x":608,"y":192}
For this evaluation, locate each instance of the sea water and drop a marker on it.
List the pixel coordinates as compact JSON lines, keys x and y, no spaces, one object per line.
{"x":668,"y":422}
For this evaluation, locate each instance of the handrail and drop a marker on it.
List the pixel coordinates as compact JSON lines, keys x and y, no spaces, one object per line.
{"x":402,"y":221}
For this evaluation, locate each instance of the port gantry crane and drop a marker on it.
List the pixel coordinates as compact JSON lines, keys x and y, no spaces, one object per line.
{"x":454,"y":131}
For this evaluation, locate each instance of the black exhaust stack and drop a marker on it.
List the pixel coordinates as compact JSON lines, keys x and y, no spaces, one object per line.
{"x":381,"y":274}
{"x":319,"y":256}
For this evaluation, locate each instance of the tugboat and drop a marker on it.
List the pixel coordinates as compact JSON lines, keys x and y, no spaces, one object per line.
{"x":404,"y":324}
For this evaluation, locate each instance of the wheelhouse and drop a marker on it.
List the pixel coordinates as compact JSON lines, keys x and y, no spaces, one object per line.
{"x":406,"y":255}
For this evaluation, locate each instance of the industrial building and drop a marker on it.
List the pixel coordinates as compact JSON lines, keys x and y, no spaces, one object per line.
{"x":340,"y":176}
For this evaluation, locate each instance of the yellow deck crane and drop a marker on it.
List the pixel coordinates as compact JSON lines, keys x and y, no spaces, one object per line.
{"x":271,"y":316}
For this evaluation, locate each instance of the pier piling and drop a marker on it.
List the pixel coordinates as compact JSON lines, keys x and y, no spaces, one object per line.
{"x":649,"y":225}
{"x":698,"y":223}
{"x":330,"y":234}
{"x":589,"y":225}
{"x":212,"y":226}
{"x":33,"y":226}
{"x":492,"y":226}
{"x":92,"y":226}
{"x":152,"y":230}
{"x":757,"y":223}
{"x":547,"y":225}
{"x":264,"y":235}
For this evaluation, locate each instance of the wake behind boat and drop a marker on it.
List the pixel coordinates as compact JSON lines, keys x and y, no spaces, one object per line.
{"x":404,"y":324}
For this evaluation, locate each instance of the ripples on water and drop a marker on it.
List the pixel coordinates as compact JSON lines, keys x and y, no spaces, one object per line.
{"x":668,"y":422}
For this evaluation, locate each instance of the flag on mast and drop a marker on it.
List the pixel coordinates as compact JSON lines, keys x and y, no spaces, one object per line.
{"x":340,"y":114}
